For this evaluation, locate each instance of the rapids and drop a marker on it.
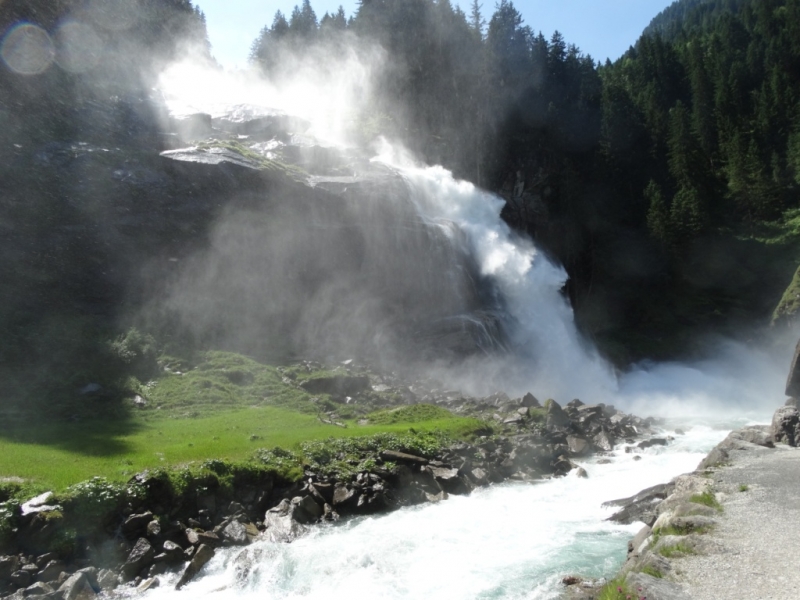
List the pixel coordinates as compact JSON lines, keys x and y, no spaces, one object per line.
{"x":514,"y":540}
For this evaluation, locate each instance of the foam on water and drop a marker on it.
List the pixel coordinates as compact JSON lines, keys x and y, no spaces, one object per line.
{"x":513,"y":540}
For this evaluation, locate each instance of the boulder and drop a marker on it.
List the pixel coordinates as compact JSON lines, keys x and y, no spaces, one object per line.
{"x":8,"y":564}
{"x":530,"y":401}
{"x":20,"y":578}
{"x":651,"y":442}
{"x":339,"y":385}
{"x":343,"y":496}
{"x":556,"y":417}
{"x":37,"y":589}
{"x":280,"y":525}
{"x":793,"y":380}
{"x":603,"y":441}
{"x":209,"y":538}
{"x":305,"y":510}
{"x":199,"y":560}
{"x":654,"y":588}
{"x":135,"y":525}
{"x":173,"y":552}
{"x":77,"y":587}
{"x":140,"y":558}
{"x":107,"y":579}
{"x":235,"y":533}
{"x":786,"y":426}
{"x":578,"y":446}
{"x":642,"y":507}
{"x":39,"y":504}
{"x":51,"y":571}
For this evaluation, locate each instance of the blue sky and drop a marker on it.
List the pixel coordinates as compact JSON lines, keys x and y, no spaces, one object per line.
{"x":602,"y":28}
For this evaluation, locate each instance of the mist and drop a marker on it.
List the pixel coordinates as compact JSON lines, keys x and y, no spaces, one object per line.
{"x":399,"y":264}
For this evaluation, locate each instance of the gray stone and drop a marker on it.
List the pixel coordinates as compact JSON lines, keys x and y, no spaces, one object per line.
{"x":578,"y":446}
{"x":135,"y":525}
{"x":39,"y":588}
{"x":39,"y":504}
{"x":655,"y":589}
{"x":338,"y":385}
{"x":530,"y":401}
{"x":786,"y":426}
{"x":147,"y":584}
{"x":479,"y":476}
{"x":8,"y":564}
{"x":556,"y":417}
{"x":199,"y":560}
{"x":235,"y":533}
{"x":21,"y":578}
{"x":343,"y":495}
{"x":107,"y":579}
{"x":281,"y":527}
{"x":51,"y":571}
{"x":793,"y":380}
{"x":651,"y":442}
{"x":604,"y":441}
{"x":305,"y":510}
{"x":140,"y":558}
{"x":192,"y":537}
{"x":77,"y":587}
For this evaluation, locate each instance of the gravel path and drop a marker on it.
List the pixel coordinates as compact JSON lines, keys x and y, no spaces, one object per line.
{"x":758,"y":535}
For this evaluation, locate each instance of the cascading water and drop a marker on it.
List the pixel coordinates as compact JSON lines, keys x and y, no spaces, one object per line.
{"x":455,"y":267}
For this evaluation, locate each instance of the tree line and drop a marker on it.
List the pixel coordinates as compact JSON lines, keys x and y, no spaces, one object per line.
{"x":639,"y":175}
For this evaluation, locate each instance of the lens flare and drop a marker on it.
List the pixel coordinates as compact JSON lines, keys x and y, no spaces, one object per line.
{"x":27,"y":49}
{"x":78,"y":47}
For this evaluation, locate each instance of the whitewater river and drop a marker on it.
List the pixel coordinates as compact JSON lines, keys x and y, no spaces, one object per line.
{"x":515,"y":540}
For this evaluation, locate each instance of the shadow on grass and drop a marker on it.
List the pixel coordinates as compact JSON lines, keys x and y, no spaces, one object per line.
{"x":100,"y":438}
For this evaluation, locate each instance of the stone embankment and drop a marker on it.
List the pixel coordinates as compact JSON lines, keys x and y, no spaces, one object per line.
{"x":727,"y":530}
{"x":161,"y":530}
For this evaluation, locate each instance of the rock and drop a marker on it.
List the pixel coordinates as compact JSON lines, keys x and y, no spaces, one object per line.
{"x":140,"y":558}
{"x":793,"y":380}
{"x":343,"y":495}
{"x":147,"y":584}
{"x":530,"y":401}
{"x":153,"y":529}
{"x":77,"y":587}
{"x":394,"y":456}
{"x":51,"y":571}
{"x":39,"y":504}
{"x":107,"y":579}
{"x":479,"y":476}
{"x":135,"y":525}
{"x":556,"y":417}
{"x":339,"y":385}
{"x":21,"y":578}
{"x":235,"y":533}
{"x":209,"y":538}
{"x":578,"y":446}
{"x":8,"y":564}
{"x":305,"y":510}
{"x":655,"y":589}
{"x":192,"y":537}
{"x":641,"y":507}
{"x":173,"y":552}
{"x":201,"y":557}
{"x":581,"y":472}
{"x":786,"y":426}
{"x":651,"y":442}
{"x":37,"y":589}
{"x":281,"y":527}
{"x":603,"y":441}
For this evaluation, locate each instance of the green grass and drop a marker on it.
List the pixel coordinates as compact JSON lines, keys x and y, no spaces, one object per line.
{"x":54,"y":456}
{"x":743,"y":487}
{"x":678,"y":550}
{"x":652,"y":571}
{"x":707,"y":498}
{"x":415,"y":413}
{"x":616,"y":589}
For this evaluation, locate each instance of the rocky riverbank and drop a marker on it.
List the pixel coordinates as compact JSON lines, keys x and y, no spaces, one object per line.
{"x":721,"y":531}
{"x":158,"y":524}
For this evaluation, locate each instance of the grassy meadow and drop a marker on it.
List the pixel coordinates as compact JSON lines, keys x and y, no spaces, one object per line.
{"x":225,"y":406}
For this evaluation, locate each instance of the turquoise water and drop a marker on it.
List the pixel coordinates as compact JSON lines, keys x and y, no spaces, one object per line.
{"x":508,"y":541}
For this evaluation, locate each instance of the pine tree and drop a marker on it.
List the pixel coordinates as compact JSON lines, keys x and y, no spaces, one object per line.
{"x":477,"y":22}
